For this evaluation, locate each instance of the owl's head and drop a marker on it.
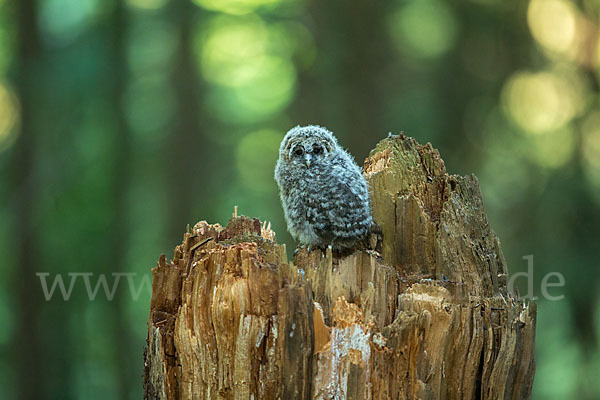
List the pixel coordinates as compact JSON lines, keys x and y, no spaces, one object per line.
{"x":307,"y":145}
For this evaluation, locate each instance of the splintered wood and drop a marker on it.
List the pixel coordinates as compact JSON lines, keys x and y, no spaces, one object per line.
{"x":426,"y":317}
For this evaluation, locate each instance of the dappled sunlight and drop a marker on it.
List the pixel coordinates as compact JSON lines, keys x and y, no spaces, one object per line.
{"x":488,"y":2}
{"x":147,"y":4}
{"x":233,"y":50}
{"x":256,"y":155}
{"x":552,"y":23}
{"x":505,"y":175}
{"x":236,"y":7}
{"x":64,"y":20}
{"x":553,"y":149}
{"x":504,"y":178}
{"x":123,"y":121}
{"x":252,"y":72}
{"x":542,"y":105}
{"x":542,"y":102}
{"x":269,"y":92}
{"x":293,"y":40}
{"x":9,"y":115}
{"x":423,"y":28}
{"x":565,"y":32}
{"x":590,"y":148}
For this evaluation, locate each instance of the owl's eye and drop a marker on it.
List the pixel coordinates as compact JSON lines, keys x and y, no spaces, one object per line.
{"x":317,"y":149}
{"x":299,"y":151}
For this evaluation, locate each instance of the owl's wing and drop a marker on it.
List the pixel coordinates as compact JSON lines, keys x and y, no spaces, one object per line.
{"x":346,"y":212}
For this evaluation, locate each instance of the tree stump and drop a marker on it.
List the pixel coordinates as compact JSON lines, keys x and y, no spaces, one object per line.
{"x":426,"y":315}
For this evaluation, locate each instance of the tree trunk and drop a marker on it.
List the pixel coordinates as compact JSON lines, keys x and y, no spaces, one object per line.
{"x":426,"y":315}
{"x":27,"y":349}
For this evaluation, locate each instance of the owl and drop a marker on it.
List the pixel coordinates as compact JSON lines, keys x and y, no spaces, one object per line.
{"x":324,"y":195}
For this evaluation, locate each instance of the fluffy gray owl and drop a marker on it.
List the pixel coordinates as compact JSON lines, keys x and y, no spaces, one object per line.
{"x":324,"y":195}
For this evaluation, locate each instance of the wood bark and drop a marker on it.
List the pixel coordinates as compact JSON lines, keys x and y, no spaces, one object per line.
{"x":426,"y":314}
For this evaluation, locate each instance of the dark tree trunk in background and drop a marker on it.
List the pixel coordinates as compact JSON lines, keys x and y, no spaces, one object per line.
{"x":584,"y":219}
{"x":428,"y":315}
{"x":348,"y":76}
{"x":27,"y":343}
{"x":121,"y":177}
{"x":185,"y":146}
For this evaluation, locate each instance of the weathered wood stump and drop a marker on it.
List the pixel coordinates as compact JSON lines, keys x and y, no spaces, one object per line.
{"x":426,"y":316}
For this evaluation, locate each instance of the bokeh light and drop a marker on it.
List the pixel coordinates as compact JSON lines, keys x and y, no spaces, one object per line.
{"x":503,"y":177}
{"x":147,"y":4}
{"x":293,"y":40}
{"x":9,"y":114}
{"x":270,"y":90}
{"x":234,"y":50}
{"x":590,"y":148}
{"x":256,"y":154}
{"x":552,"y":23}
{"x":424,"y":28}
{"x":236,"y":7}
{"x":542,"y":102}
{"x":196,"y":95}
{"x":552,"y":149}
{"x":253,"y":75}
{"x":64,"y":20}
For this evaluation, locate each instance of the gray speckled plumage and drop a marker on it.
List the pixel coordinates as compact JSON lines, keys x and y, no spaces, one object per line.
{"x":324,"y":195}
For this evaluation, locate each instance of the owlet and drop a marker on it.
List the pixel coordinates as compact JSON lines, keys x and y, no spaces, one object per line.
{"x":324,"y":195}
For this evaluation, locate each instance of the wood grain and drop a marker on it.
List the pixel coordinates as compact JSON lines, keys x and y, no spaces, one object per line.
{"x":428,"y":316}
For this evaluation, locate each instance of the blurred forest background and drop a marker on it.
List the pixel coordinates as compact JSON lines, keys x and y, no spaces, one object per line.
{"x":123,"y":121}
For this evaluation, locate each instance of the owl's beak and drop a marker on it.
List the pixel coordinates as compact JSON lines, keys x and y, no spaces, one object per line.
{"x":307,"y":160}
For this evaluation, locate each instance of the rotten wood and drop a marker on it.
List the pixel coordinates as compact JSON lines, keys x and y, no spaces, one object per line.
{"x":426,"y":316}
